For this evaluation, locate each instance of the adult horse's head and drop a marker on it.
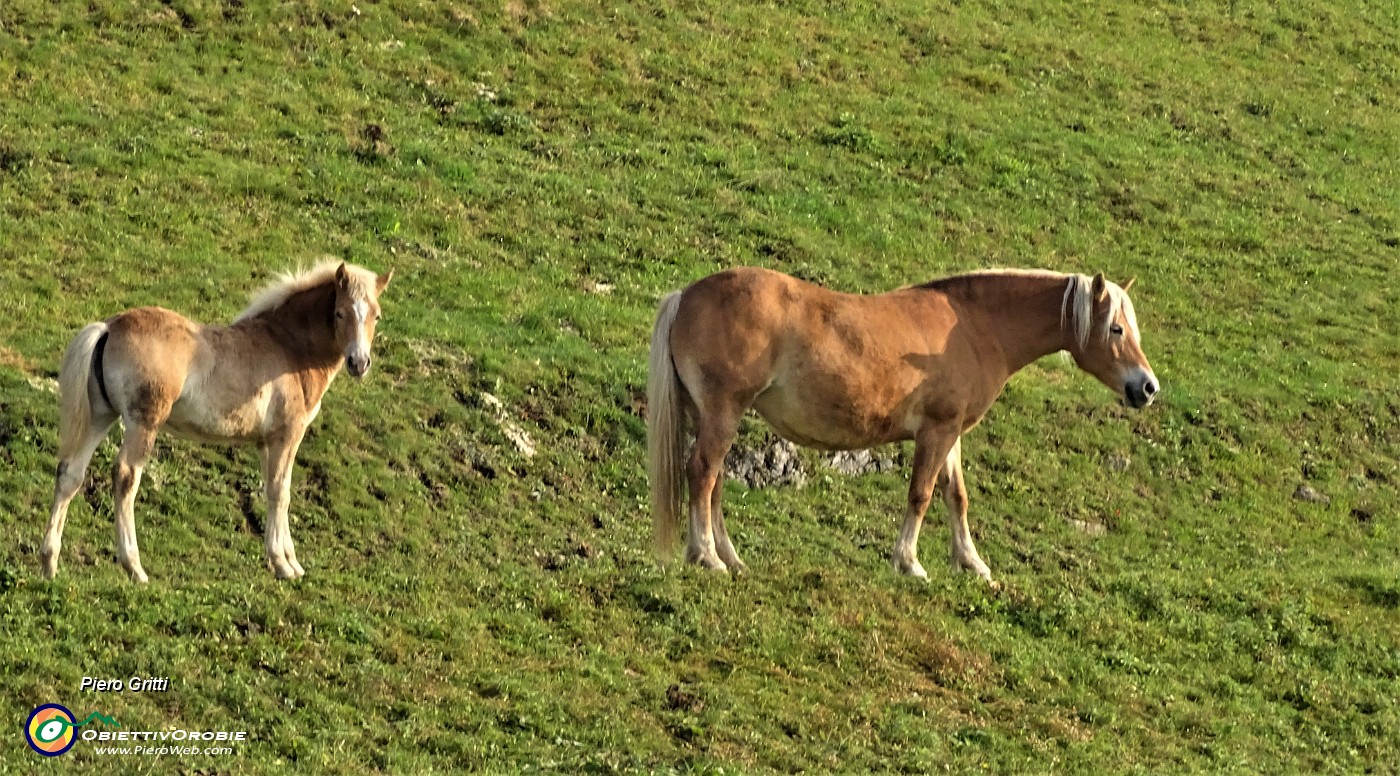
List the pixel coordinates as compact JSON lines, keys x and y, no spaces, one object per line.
{"x":1104,"y":338}
{"x":356,"y":314}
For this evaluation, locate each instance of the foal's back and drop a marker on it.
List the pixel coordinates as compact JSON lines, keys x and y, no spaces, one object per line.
{"x":197,"y":381}
{"x":147,"y":356}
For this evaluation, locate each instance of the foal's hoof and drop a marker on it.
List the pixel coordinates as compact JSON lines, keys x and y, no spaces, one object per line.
{"x":282,"y":569}
{"x":139,"y":577}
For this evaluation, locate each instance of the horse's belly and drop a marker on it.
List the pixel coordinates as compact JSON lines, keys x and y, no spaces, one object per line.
{"x":828,"y":424}
{"x":199,"y":418}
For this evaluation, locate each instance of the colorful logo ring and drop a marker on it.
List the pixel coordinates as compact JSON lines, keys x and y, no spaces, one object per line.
{"x":50,"y":730}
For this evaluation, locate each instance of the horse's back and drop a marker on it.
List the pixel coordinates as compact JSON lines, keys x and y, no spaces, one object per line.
{"x":740,"y":309}
{"x":825,"y":368}
{"x":147,"y":356}
{"x":154,"y":337}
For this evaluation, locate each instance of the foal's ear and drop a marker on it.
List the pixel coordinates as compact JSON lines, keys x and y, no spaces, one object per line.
{"x":382,"y":282}
{"x":1129,"y":284}
{"x":342,"y":278}
{"x":1099,"y":289}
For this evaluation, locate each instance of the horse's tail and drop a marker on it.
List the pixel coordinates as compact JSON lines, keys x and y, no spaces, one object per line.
{"x":665,"y":430}
{"x":74,"y":406}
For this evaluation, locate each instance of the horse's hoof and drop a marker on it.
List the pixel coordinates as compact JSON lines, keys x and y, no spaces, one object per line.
{"x":281,"y":569}
{"x":913,"y":569}
{"x":710,"y":563}
{"x":975,"y":566}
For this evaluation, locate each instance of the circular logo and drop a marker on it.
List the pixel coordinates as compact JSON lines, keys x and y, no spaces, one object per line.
{"x":49,"y":730}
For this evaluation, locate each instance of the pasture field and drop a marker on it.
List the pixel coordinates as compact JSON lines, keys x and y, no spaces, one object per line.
{"x":538,"y":173}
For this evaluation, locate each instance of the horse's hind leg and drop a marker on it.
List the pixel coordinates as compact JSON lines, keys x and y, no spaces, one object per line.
{"x":71,"y":471}
{"x":723,"y":546}
{"x":962,"y":550}
{"x":138,"y":441}
{"x":714,"y":434}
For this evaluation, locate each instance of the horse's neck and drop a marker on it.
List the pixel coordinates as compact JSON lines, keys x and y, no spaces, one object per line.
{"x":1022,"y":313}
{"x":303,"y":328}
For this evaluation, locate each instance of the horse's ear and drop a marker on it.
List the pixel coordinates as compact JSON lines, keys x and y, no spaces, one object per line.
{"x":1129,"y":284}
{"x":382,"y":282}
{"x":342,"y":277}
{"x":1100,"y":288}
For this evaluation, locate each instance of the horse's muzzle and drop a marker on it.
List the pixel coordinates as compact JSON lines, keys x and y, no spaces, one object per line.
{"x":357,"y":366}
{"x":1140,"y":393}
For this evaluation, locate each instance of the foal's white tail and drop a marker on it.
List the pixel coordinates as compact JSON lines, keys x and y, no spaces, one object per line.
{"x":74,"y":407}
{"x":665,"y":431}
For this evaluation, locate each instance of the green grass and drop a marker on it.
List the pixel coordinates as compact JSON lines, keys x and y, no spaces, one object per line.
{"x":468,"y":608}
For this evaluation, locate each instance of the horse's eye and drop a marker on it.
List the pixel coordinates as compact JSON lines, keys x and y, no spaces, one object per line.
{"x":1116,"y":330}
{"x":340,"y":315}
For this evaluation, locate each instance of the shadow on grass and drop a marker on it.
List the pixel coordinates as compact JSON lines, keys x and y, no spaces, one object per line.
{"x":1376,"y":592}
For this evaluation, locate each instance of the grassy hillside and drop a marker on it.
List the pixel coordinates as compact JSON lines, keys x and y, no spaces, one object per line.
{"x":538,"y":174}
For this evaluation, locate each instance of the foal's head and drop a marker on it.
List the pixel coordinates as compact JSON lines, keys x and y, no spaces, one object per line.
{"x":1105,"y":340}
{"x":356,"y":313}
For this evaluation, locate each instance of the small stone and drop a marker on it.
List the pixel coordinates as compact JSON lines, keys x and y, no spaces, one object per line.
{"x":678,"y":699}
{"x":774,"y":464}
{"x":1091,"y":527}
{"x":1307,"y":493}
{"x":509,"y":428}
{"x":856,"y":462}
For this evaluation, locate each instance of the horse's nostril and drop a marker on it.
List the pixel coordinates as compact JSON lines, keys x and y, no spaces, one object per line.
{"x":1149,"y":387}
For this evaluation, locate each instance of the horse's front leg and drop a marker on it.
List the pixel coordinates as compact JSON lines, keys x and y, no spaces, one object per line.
{"x":277,"y":456}
{"x":931,"y":447}
{"x":961,"y":549}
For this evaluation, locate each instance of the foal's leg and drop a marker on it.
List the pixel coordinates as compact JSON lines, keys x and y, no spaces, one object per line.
{"x":931,"y":447}
{"x":138,"y":440}
{"x":277,"y":457}
{"x":714,"y":434}
{"x":723,"y":545}
{"x":71,"y":471}
{"x":964,"y":553}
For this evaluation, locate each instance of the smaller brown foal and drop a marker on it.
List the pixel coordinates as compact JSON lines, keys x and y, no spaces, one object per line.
{"x":841,"y":372}
{"x":258,"y":381}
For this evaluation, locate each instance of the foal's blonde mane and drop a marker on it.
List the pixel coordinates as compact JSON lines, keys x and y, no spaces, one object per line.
{"x":1077,"y":311}
{"x":289,"y":284}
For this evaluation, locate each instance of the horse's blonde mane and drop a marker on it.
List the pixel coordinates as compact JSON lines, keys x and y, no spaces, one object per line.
{"x":1077,"y":311}
{"x":1011,"y":272}
{"x":945,"y":282}
{"x":289,"y":284}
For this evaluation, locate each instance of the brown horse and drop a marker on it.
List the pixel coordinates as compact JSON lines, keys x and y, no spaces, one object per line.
{"x":840,"y":372}
{"x":259,"y":381}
